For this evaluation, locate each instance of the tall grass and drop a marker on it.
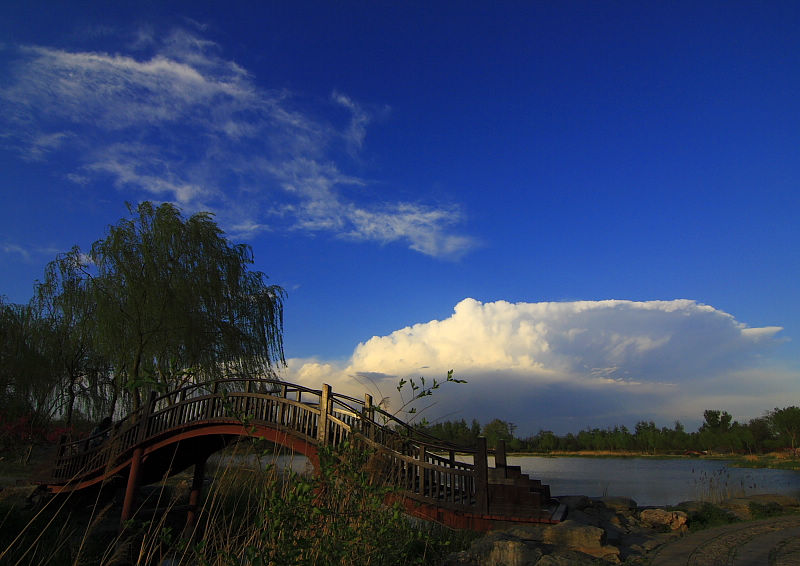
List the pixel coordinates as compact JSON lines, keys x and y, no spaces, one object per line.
{"x":254,"y":515}
{"x":716,"y":486}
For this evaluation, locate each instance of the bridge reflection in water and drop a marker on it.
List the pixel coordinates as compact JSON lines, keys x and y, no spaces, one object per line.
{"x":182,"y":428}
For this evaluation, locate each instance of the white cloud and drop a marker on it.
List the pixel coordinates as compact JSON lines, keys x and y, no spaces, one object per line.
{"x":174,"y":120}
{"x":15,"y":249}
{"x":573,"y":364}
{"x":359,"y":120}
{"x":27,"y":253}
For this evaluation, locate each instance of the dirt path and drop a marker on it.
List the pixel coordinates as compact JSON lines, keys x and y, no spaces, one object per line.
{"x":768,"y":542}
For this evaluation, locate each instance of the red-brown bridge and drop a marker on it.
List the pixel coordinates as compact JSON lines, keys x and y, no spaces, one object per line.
{"x":184,"y":427}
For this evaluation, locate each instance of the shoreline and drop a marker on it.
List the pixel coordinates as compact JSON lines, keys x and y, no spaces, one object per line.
{"x":772,"y":461}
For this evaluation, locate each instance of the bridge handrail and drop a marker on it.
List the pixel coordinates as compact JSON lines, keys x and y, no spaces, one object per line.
{"x":125,"y":437}
{"x":422,"y":464}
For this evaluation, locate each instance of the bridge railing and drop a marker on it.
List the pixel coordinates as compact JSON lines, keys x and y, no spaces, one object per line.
{"x":426,"y":468}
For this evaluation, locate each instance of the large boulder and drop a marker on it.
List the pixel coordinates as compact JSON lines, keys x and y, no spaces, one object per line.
{"x":661,"y":519}
{"x":501,"y":548}
{"x":583,"y":538}
{"x":513,"y":553}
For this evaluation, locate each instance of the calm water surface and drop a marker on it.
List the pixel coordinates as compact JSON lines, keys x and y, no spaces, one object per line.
{"x":651,"y":481}
{"x":648,"y":481}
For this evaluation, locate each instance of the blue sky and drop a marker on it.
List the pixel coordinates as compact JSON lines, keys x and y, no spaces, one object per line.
{"x":588,"y":210}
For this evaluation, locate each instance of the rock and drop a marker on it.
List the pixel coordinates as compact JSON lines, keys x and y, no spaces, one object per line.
{"x":533,"y":532}
{"x":499,"y":549}
{"x":583,"y":538}
{"x":512,"y":553}
{"x":662,"y":519}
{"x":575,"y":535}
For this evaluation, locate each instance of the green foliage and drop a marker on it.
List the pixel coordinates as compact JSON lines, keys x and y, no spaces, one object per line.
{"x":172,"y":293}
{"x":339,"y":516}
{"x":420,"y":388}
{"x":26,"y":385}
{"x":708,"y":516}
{"x":160,"y":302}
{"x":497,"y":430}
{"x":766,"y":510}
{"x":249,"y":516}
{"x":65,"y":304}
{"x":454,"y":432}
{"x":786,"y":423}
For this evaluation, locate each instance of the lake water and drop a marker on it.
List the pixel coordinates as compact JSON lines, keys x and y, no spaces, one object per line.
{"x":648,"y":481}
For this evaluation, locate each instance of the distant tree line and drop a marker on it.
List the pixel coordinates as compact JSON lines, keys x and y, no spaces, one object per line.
{"x":778,"y":429}
{"x":159,"y":302}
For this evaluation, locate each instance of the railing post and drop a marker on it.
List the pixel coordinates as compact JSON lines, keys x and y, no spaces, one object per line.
{"x":248,"y":402}
{"x":369,"y":414}
{"x":141,"y":435}
{"x":294,"y":414}
{"x":324,"y":411}
{"x":282,"y":414}
{"x":212,"y":401}
{"x":482,"y":476}
{"x":500,"y":454}
{"x":422,"y":457}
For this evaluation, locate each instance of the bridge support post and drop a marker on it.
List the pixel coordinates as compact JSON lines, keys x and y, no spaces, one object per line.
{"x":324,"y":411}
{"x":482,"y":476}
{"x":196,"y":492}
{"x":136,"y":460}
{"x":133,"y":484}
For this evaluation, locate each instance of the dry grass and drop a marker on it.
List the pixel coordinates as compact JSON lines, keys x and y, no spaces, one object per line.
{"x":256,"y":514}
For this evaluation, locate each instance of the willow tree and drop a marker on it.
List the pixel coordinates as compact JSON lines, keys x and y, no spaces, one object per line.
{"x":176,"y":301}
{"x":27,"y":391}
{"x":64,"y":302}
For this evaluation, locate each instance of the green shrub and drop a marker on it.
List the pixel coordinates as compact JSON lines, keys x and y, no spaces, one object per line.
{"x":765,"y":510}
{"x":709,"y":515}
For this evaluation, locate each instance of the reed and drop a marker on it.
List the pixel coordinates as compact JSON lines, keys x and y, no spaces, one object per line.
{"x":253,"y":514}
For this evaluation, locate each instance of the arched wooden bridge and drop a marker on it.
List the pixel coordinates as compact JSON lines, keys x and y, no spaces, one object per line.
{"x":182,"y":428}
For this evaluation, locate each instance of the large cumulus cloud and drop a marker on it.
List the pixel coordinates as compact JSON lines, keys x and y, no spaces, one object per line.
{"x":568,"y":365}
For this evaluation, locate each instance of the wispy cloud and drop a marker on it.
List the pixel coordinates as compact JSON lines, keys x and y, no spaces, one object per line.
{"x":16,"y":250}
{"x":601,"y":362}
{"x":172,"y":119}
{"x":28,"y":253}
